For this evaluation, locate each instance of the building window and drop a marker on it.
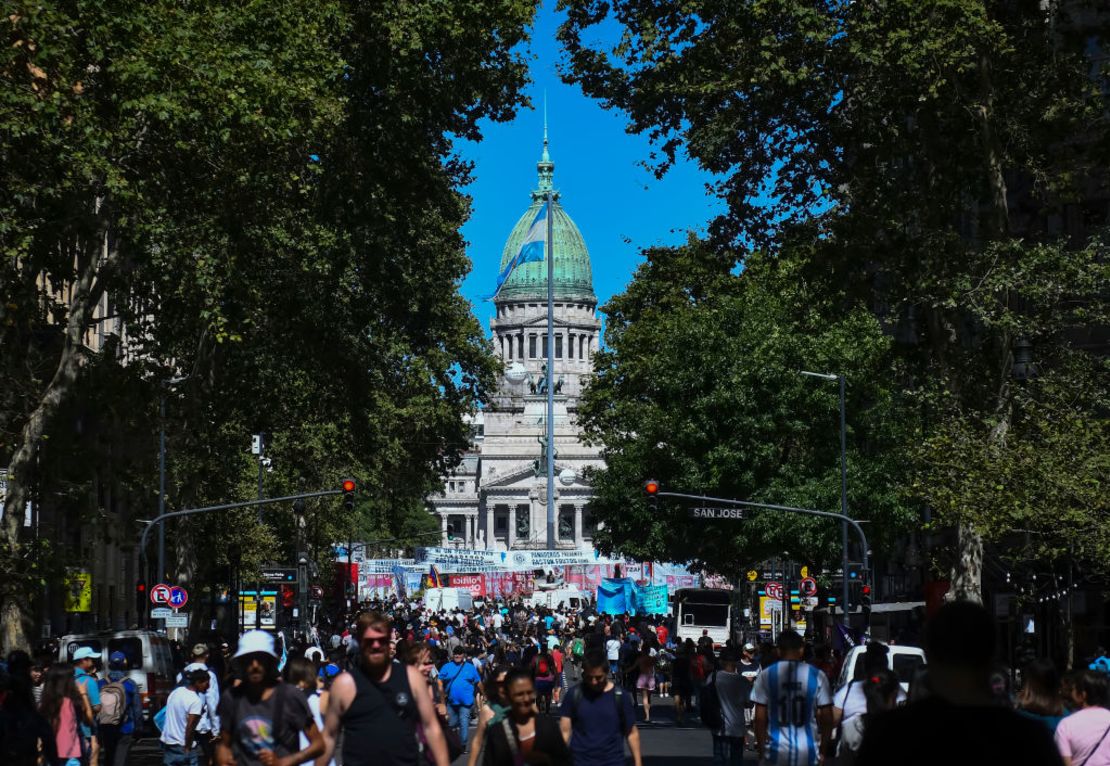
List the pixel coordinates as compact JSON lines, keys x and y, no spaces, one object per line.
{"x":521,"y":348}
{"x":501,"y":523}
{"x":510,"y":344}
{"x":566,"y":524}
{"x":558,"y":346}
{"x":545,"y":346}
{"x":570,"y":345}
{"x":531,"y":346}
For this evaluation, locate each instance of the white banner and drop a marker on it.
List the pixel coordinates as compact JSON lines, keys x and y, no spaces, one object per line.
{"x":449,"y":560}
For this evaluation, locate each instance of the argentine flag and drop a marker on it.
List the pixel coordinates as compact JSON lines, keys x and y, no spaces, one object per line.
{"x":532,"y":249}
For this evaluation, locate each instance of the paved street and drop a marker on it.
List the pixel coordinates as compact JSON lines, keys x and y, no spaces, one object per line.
{"x":664,"y":744}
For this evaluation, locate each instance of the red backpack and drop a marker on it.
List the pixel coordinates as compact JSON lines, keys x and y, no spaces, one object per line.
{"x":542,"y":668}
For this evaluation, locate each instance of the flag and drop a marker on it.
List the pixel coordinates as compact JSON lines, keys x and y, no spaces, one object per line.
{"x":532,"y":249}
{"x":434,"y":578}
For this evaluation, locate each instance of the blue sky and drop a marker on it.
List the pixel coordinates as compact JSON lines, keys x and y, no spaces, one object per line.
{"x":618,"y":205}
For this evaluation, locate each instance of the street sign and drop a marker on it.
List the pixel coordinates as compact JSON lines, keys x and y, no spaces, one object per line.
{"x":808,"y":586}
{"x":178,"y":597}
{"x":160,"y":594}
{"x":752,"y":575}
{"x":279,"y":574}
{"x":178,"y":620}
{"x":773,"y":590}
{"x":712,"y":512}
{"x":160,"y":612}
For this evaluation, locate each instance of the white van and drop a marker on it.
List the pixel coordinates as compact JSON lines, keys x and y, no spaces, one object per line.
{"x":149,"y":661}
{"x":903,"y":661}
{"x":571,"y":598}
{"x":448,"y":599}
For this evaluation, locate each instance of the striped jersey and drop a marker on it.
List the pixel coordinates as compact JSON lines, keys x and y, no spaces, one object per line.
{"x":792,"y":691}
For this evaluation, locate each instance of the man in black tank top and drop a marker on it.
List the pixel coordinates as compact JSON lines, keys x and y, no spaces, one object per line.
{"x":379,"y":705}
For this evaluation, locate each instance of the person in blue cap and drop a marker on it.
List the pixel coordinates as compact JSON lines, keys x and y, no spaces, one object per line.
{"x":84,"y":669}
{"x":120,"y":709}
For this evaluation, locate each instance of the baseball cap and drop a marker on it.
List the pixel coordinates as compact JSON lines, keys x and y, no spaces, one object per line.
{"x":200,"y":650}
{"x":85,"y":653}
{"x":117,"y":659}
{"x":256,"y":642}
{"x":749,"y":647}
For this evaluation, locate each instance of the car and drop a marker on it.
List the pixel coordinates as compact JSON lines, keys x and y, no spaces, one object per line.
{"x":149,"y":661}
{"x":903,"y":661}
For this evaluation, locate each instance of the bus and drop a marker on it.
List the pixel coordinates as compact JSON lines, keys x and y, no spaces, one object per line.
{"x":702,"y":610}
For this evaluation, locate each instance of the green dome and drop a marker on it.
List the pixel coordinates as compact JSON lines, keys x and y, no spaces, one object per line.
{"x":573,"y":275}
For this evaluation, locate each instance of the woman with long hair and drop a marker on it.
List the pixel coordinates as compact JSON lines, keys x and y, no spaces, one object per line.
{"x":495,"y":707}
{"x":645,"y":679}
{"x":523,"y":736}
{"x":1039,"y":697}
{"x":65,"y":705}
{"x":543,"y":666}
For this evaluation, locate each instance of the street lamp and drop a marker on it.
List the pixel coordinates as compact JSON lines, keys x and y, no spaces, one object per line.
{"x":843,"y":483}
{"x":162,"y":471}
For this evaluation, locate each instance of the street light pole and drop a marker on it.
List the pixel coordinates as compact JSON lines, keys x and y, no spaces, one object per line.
{"x":843,"y":484}
{"x":162,"y":473}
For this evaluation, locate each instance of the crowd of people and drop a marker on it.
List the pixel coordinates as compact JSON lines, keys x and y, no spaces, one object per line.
{"x":508,"y":684}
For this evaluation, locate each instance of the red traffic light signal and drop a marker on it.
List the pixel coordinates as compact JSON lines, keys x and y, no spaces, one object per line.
{"x":140,"y":588}
{"x":867,"y":590}
{"x":651,"y":487}
{"x":349,"y":494}
{"x":348,"y":485}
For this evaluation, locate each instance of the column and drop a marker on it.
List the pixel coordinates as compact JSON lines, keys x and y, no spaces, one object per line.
{"x":510,"y":512}
{"x":471,"y":531}
{"x":489,"y":527}
{"x":577,"y":526}
{"x":443,"y":529}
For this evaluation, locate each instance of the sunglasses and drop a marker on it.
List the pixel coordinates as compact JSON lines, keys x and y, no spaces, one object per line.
{"x":384,"y":641}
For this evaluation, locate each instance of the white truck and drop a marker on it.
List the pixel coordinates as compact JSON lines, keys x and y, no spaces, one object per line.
{"x":571,"y":598}
{"x":448,"y":599}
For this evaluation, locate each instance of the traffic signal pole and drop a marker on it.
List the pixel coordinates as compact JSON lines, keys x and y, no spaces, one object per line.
{"x":654,"y":490}
{"x":159,"y":519}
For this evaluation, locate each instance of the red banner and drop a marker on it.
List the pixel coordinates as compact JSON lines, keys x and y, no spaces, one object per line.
{"x":474,"y":582}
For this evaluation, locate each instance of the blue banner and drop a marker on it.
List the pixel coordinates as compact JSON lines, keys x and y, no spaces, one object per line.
{"x":624,"y":596}
{"x":650,"y":599}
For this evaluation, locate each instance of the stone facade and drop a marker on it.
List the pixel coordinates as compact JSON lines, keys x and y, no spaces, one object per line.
{"x":497,"y":498}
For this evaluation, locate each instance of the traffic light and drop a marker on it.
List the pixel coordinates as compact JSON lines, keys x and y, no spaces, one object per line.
{"x":288,"y":596}
{"x":140,"y":596}
{"x":865,"y":599}
{"x":349,"y":488}
{"x":651,"y":489}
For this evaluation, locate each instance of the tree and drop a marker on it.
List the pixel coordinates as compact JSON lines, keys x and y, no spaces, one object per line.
{"x":698,"y":387}
{"x":270,"y":202}
{"x":930,"y":146}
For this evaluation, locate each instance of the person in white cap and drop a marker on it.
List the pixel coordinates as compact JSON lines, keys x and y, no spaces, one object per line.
{"x":209,"y":727}
{"x":261,"y":718}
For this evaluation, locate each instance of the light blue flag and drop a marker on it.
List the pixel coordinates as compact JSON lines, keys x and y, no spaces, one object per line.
{"x":532,"y":249}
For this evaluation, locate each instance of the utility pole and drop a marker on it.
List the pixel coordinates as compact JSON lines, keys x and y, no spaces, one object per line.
{"x":552,"y":539}
{"x":258,"y":446}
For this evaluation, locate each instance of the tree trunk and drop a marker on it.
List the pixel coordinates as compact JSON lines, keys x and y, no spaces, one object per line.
{"x":14,"y":570}
{"x":967,"y":574}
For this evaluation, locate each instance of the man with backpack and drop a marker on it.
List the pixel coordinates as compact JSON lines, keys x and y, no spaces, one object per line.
{"x":597,"y":717}
{"x":120,"y":709}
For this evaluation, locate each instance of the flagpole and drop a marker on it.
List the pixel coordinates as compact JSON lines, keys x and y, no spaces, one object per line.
{"x":550,"y":246}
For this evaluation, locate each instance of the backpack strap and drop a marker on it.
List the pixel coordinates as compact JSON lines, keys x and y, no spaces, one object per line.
{"x":618,"y":697}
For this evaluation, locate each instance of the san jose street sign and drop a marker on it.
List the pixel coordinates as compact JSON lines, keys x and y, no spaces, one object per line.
{"x":711,"y":512}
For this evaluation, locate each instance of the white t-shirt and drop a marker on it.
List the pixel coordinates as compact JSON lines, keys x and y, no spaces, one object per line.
{"x":613,"y":649}
{"x":792,"y":691}
{"x":314,"y":706}
{"x":851,"y":699}
{"x":183,"y":702}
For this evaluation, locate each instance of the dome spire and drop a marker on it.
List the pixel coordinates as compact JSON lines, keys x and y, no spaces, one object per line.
{"x":545,"y":167}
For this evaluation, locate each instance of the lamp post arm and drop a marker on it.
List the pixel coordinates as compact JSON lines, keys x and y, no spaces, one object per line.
{"x":787,"y":508}
{"x":157,"y":520}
